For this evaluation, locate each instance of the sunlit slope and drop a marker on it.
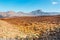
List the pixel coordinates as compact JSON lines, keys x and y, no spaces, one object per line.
{"x":8,"y":30}
{"x":27,"y":26}
{"x":11,"y":31}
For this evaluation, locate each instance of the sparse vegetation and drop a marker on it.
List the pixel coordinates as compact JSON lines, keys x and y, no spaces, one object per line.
{"x":29,"y":27}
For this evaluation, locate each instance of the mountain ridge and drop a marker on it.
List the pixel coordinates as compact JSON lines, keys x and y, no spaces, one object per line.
{"x":33,"y":13}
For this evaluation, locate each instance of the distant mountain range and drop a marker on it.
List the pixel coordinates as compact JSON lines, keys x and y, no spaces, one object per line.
{"x":33,"y":13}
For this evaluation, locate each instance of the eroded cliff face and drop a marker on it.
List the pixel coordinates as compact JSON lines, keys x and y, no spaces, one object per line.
{"x":31,"y":28}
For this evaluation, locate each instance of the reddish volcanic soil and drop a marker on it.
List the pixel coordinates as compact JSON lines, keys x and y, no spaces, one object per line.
{"x":50,"y":19}
{"x":29,"y":26}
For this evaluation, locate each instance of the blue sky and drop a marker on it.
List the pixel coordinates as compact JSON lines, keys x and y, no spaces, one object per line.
{"x":30,"y":5}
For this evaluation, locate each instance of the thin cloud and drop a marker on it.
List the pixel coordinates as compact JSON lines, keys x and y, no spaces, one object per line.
{"x":54,"y":3}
